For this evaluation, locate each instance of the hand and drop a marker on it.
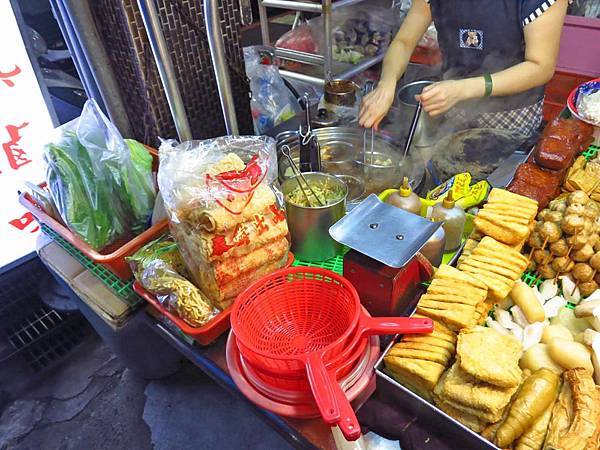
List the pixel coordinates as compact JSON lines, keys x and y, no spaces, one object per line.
{"x":437,"y":98}
{"x":376,"y":105}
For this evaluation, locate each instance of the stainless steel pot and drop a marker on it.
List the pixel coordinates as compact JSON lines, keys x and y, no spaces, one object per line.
{"x":425,"y":134}
{"x":309,"y":227}
{"x":341,"y":92}
{"x":342,"y":154}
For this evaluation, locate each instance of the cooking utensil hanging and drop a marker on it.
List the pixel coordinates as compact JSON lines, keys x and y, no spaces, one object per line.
{"x":413,"y":129}
{"x":368,"y":133}
{"x":285,"y":151}
{"x":310,"y":153}
{"x":306,"y":316}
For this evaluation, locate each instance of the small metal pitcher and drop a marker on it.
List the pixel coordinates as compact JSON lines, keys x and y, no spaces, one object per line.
{"x":425,"y":133}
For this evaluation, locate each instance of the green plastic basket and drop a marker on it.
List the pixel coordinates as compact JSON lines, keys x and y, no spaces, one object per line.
{"x":121,"y":289}
{"x":336,"y":264}
{"x":591,"y":152}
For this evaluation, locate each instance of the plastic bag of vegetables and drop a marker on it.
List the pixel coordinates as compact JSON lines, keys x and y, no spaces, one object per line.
{"x":101,"y":184}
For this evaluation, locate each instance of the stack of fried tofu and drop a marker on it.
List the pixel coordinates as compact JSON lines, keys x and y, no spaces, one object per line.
{"x":506,"y":217}
{"x":495,"y":264}
{"x":452,"y":301}
{"x":479,"y":386}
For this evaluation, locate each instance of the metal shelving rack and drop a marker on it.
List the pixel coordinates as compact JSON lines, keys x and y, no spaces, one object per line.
{"x":324,"y":7}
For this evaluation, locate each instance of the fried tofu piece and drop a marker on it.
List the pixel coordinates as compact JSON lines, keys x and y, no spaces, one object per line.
{"x":472,"y":422}
{"x":482,"y":311}
{"x":439,"y":330}
{"x":503,"y":196}
{"x":468,"y":411}
{"x":490,"y":356}
{"x":450,"y":316}
{"x":418,"y":375}
{"x":419,"y":354}
{"x":495,"y":264}
{"x":431,"y":340}
{"x":459,"y":387}
{"x":453,"y":274}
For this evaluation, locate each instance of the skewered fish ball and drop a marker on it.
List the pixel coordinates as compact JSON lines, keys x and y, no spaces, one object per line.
{"x":578,"y":197}
{"x":577,"y":209}
{"x":559,"y":248}
{"x":578,"y":241}
{"x":554,"y":216}
{"x":583,"y":272}
{"x":588,"y":225}
{"x":558,"y":204}
{"x":583,"y":254}
{"x":535,"y":241}
{"x":541,"y":256}
{"x":588,"y":288}
{"x":542,"y":214}
{"x":550,"y":232}
{"x":562,"y":264}
{"x":595,"y":261}
{"x":591,"y":210}
{"x":593,"y":240}
{"x":572,"y":224}
{"x":532,"y":267}
{"x":546,"y":271}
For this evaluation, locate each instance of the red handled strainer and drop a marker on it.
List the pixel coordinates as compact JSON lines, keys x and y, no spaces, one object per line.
{"x":304,"y":317}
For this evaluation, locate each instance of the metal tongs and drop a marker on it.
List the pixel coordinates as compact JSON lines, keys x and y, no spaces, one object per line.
{"x":310,"y":153}
{"x":367,"y":90}
{"x":285,"y":151}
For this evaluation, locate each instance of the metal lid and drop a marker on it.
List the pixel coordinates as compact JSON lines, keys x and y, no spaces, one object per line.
{"x":325,"y":118}
{"x":383,"y":232}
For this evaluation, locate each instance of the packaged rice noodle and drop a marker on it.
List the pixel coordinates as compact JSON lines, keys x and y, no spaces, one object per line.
{"x":223,"y":212}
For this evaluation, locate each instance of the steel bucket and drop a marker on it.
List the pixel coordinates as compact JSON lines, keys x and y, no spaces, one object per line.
{"x":425,"y":134}
{"x":309,"y":227}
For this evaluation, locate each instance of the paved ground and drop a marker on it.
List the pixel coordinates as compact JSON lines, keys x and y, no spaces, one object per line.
{"x":90,"y":401}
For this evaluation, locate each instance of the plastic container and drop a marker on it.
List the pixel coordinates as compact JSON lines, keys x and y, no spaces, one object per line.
{"x":111,"y":257}
{"x":454,"y":219}
{"x":205,"y":334}
{"x":404,"y":198}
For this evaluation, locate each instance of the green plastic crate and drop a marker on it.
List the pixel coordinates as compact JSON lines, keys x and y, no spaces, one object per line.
{"x":335,"y":264}
{"x":122,"y":289}
{"x":591,"y":152}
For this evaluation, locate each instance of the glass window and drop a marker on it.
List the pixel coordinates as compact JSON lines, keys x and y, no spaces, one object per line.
{"x":585,"y":8}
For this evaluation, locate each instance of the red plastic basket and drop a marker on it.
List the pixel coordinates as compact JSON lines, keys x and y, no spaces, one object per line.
{"x":205,"y":334}
{"x":111,"y":257}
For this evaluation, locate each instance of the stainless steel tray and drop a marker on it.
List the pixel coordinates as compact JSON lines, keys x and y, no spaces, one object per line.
{"x":463,"y":438}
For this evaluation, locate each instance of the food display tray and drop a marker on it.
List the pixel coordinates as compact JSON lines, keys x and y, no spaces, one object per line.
{"x":111,"y":257}
{"x":462,"y":437}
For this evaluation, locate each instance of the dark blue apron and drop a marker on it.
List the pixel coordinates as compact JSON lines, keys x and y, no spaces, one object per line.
{"x":485,"y":36}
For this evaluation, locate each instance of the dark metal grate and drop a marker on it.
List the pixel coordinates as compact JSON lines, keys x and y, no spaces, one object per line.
{"x":29,"y":328}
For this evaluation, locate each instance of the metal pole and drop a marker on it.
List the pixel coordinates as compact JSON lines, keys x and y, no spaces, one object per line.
{"x":293,"y":5}
{"x":165,"y":68}
{"x":217,"y":54}
{"x":328,"y":44}
{"x":264,"y":23}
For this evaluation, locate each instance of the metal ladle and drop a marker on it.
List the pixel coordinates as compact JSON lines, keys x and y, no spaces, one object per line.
{"x":413,"y":129}
{"x":367,"y":90}
{"x":285,"y":151}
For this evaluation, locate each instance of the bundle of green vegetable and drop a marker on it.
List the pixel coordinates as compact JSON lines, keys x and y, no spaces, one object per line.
{"x":101,"y":184}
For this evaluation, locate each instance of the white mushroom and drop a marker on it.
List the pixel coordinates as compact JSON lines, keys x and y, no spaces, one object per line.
{"x":517,"y":332}
{"x":495,"y":325}
{"x":548,"y":289}
{"x":532,"y":334}
{"x":570,"y":289}
{"x":553,"y":306}
{"x":518,"y":316}
{"x":503,"y":318}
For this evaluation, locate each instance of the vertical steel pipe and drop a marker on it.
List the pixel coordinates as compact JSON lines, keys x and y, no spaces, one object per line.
{"x":328,"y":39}
{"x":165,"y":67}
{"x":217,"y":54}
{"x":264,"y":23}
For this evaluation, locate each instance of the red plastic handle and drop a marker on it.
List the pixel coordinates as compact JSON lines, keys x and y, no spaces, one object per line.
{"x":370,"y":326}
{"x":326,"y":397}
{"x":334,"y":406}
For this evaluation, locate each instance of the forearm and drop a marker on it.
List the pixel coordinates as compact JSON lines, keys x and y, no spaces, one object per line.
{"x":395,"y":63}
{"x":515,"y":79}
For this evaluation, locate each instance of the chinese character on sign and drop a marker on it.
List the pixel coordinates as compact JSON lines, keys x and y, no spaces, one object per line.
{"x":16,"y":155}
{"x":5,"y":76}
{"x":25,"y":221}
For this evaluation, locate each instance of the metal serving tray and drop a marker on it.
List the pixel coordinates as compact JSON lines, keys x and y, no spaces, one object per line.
{"x":463,"y":438}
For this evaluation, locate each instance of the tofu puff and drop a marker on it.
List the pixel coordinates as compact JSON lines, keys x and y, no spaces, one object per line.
{"x":452,"y":298}
{"x":418,"y":360}
{"x":506,"y":217}
{"x":495,"y":264}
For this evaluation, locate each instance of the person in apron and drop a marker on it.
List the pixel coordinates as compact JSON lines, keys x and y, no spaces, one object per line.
{"x":497,"y":57}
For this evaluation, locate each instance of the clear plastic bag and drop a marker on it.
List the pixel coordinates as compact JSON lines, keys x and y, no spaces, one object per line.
{"x":272,"y":102}
{"x":103,"y":189}
{"x":223,"y":212}
{"x":300,"y":39}
{"x":358,"y":32}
